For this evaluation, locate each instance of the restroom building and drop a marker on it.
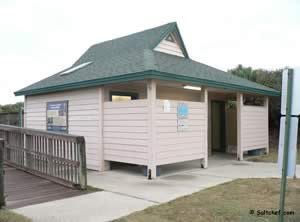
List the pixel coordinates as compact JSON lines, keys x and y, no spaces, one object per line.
{"x":141,"y":99}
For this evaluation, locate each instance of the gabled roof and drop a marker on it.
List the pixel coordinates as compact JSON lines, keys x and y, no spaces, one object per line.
{"x":132,"y":58}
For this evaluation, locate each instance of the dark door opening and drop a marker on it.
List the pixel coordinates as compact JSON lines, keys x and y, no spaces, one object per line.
{"x":218,"y":134}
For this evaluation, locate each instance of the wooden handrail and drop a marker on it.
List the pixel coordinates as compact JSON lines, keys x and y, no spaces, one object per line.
{"x":55,"y":156}
{"x":30,"y":131}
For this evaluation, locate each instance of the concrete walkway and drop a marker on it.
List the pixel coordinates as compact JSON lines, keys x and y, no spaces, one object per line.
{"x":126,"y":190}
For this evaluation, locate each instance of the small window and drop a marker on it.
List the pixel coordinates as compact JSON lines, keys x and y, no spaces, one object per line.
{"x":122,"y":96}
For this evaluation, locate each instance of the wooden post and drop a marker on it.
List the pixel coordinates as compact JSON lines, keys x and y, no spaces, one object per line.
{"x":104,"y":165}
{"x":50,"y":158}
{"x":151,"y":96}
{"x":24,"y":113}
{"x":28,"y":148}
{"x":82,"y":162}
{"x":267,"y":123}
{"x":20,"y":116}
{"x":204,"y":161}
{"x":239,"y":107}
{"x":6,"y":152}
{"x":209,"y":126}
{"x":2,"y":198}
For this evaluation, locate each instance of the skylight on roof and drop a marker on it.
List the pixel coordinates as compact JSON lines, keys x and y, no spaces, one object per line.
{"x":75,"y":68}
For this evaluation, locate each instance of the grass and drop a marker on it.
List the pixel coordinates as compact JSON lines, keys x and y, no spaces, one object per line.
{"x":229,"y":202}
{"x":272,"y":156}
{"x":10,"y":216}
{"x":91,"y":189}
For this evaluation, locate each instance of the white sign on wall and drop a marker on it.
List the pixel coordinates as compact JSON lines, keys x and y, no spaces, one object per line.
{"x":167,"y":106}
{"x":182,"y":124}
{"x":295,"y":92}
{"x":182,"y":116}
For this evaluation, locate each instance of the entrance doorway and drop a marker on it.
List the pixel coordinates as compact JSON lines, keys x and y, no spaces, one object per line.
{"x":218,"y":126}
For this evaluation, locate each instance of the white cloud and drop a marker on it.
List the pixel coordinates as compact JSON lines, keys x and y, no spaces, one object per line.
{"x":39,"y":38}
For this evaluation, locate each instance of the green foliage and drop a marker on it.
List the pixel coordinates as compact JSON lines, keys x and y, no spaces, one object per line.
{"x":268,"y":78}
{"x":11,"y":108}
{"x":231,"y":104}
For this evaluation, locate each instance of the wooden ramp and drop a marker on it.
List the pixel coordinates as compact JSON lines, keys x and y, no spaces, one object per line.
{"x":23,"y":189}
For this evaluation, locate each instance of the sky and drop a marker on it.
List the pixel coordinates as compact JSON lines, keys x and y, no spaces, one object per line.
{"x":40,"y":38}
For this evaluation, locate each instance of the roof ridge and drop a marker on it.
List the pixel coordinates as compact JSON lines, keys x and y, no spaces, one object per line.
{"x":167,"y":31}
{"x":138,"y":32}
{"x":92,"y":50}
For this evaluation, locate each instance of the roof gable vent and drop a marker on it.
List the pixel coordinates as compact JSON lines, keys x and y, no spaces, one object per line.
{"x":170,"y":45}
{"x":170,"y":38}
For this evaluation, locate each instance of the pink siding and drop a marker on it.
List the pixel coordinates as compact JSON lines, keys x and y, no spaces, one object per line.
{"x":84,"y":118}
{"x":254,"y":127}
{"x":125,"y":131}
{"x":169,"y":48}
{"x":177,"y":146}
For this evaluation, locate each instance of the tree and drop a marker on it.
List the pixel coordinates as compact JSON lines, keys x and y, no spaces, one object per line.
{"x":11,"y":108}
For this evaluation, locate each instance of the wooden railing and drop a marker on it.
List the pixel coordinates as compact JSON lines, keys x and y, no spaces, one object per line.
{"x":54,"y":156}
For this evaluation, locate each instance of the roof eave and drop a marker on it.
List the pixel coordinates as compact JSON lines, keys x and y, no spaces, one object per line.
{"x":150,"y":74}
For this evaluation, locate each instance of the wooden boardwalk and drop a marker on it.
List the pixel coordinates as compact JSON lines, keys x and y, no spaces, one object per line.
{"x":23,"y":189}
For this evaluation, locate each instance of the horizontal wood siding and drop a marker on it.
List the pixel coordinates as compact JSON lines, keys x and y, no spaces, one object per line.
{"x":254,"y":127}
{"x":125,"y":131}
{"x":169,"y":48}
{"x":174,"y":146}
{"x":83,"y":117}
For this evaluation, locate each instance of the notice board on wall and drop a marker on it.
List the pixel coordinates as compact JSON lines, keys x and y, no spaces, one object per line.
{"x":57,"y":116}
{"x":182,"y":116}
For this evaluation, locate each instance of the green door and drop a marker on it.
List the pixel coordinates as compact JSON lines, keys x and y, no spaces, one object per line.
{"x":218,"y":126}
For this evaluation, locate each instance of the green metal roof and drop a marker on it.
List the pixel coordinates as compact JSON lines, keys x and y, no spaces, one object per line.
{"x":132,"y":58}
